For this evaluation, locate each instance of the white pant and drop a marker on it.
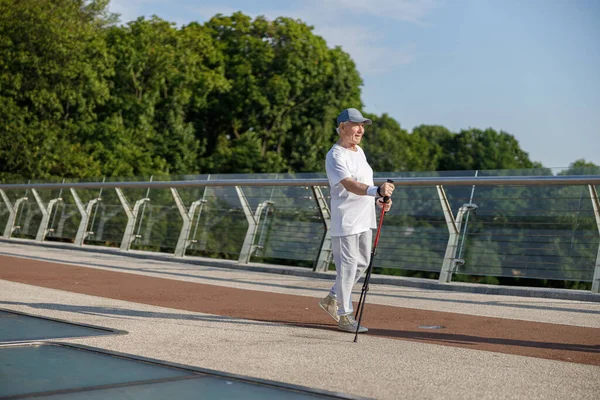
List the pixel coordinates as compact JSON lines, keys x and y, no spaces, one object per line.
{"x":351,"y":255}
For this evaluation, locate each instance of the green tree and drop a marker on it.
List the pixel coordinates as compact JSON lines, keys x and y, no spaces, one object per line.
{"x":285,"y":86}
{"x":471,"y":149}
{"x":581,"y":167}
{"x":390,"y":148}
{"x":162,"y":77}
{"x":433,"y":139}
{"x":53,"y":69}
{"x":475,"y":149}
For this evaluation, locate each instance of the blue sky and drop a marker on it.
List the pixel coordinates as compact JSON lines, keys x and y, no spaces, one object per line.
{"x":530,"y":67}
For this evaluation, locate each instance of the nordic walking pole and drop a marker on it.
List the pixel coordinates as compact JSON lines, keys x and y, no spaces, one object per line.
{"x":365,"y":288}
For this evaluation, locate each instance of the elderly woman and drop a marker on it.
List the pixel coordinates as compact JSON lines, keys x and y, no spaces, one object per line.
{"x":353,"y":199}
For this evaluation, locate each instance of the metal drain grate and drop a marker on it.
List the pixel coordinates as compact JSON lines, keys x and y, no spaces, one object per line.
{"x":431,"y":327}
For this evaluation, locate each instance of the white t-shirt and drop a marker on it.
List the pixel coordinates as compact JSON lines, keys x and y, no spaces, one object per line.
{"x":350,"y":213}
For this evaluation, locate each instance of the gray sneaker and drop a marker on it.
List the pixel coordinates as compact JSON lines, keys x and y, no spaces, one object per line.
{"x":329,"y":305}
{"x":348,"y":324}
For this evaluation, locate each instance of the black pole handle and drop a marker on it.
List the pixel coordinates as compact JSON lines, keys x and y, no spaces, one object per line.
{"x":387,"y":198}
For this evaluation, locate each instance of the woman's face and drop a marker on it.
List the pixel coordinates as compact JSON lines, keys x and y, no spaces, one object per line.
{"x":352,"y":132}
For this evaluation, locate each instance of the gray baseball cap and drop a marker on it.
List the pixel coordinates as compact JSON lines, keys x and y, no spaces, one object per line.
{"x":352,"y":115}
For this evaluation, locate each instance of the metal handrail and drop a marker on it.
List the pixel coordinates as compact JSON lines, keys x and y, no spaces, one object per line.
{"x":398,"y":181}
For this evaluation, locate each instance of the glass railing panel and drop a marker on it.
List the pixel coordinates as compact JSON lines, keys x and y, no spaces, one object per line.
{"x":107,"y":217}
{"x":30,"y":215}
{"x":292,"y":229}
{"x":544,"y":232}
{"x":65,"y":216}
{"x":159,"y":221}
{"x":28,"y":218}
{"x":415,"y":234}
{"x":222,"y":226}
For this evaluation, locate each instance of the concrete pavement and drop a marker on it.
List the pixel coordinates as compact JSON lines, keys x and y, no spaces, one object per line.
{"x":375,"y":367}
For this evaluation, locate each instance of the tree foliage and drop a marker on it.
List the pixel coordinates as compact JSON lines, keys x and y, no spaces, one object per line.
{"x":286,"y":86}
{"x":391,"y":148}
{"x":83,"y":96}
{"x":53,"y":68}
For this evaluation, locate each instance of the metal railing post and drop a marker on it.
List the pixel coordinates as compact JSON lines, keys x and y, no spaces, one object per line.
{"x":201,"y":243}
{"x":56,"y":210}
{"x":85,"y":217}
{"x":187,"y":216}
{"x":91,"y":232}
{"x":12,"y":213}
{"x":253,"y":221}
{"x":46,"y":210}
{"x":141,"y":217}
{"x":454,"y":227}
{"x":128,"y":235}
{"x":466,"y":223}
{"x":449,"y":256}
{"x":325,"y":253}
{"x":596,"y":205}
